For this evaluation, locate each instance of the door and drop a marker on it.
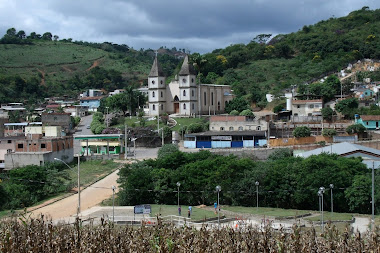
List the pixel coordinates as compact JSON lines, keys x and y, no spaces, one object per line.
{"x":176,"y":107}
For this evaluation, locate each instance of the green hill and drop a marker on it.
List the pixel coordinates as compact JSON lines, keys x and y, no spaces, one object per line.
{"x":264,"y":65}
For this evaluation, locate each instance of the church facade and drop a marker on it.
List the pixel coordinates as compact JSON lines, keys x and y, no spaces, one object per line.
{"x":184,"y":96}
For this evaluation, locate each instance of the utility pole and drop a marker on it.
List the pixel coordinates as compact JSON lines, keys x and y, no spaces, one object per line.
{"x":373,"y":195}
{"x":126,"y":141}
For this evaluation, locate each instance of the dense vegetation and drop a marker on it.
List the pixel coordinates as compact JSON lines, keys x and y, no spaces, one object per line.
{"x":39,"y":235}
{"x":28,"y":185}
{"x":285,"y":181}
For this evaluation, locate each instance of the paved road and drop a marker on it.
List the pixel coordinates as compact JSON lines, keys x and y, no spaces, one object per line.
{"x":82,"y":130}
{"x":90,"y":197}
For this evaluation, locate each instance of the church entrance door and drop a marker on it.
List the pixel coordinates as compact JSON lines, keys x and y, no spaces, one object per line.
{"x":176,"y":107}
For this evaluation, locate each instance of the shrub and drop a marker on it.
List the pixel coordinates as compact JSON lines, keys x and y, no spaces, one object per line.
{"x":302,"y":131}
{"x":167,"y":149}
{"x":355,"y":129}
{"x":329,"y":132}
{"x":234,"y":112}
{"x":246,"y":112}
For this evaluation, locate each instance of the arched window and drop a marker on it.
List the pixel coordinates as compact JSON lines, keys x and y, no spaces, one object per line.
{"x":162,"y":107}
{"x":192,"y":93}
{"x":153,"y":107}
{"x":153,"y":94}
{"x":231,"y":128}
{"x":240,"y":128}
{"x":184,"y":106}
{"x":161,"y":81}
{"x":258,"y":128}
{"x":153,"y":82}
{"x":212,"y":98}
{"x":162,"y":94}
{"x":192,"y":105}
{"x":184,"y":93}
{"x":221,"y":128}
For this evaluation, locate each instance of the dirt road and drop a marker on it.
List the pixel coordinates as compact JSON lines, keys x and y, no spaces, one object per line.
{"x":90,"y":197}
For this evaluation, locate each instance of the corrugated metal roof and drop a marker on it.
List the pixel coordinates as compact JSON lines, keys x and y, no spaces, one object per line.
{"x":340,"y":149}
{"x":307,"y":101}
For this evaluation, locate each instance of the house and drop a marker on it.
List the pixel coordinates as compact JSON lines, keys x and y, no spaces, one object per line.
{"x":118,"y":91}
{"x":7,"y":145}
{"x":76,"y":110}
{"x":183,"y":95}
{"x":236,"y":123}
{"x":364,"y":93}
{"x":57,"y":119}
{"x":370,"y":155}
{"x":307,"y":107}
{"x":47,"y":131}
{"x":92,"y":103}
{"x":101,"y":144}
{"x":35,"y":149}
{"x":371,"y":122}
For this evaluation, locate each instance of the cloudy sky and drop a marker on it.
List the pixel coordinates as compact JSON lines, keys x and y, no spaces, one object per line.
{"x":196,"y":25}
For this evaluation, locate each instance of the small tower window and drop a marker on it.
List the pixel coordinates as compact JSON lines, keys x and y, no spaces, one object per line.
{"x":192,"y":93}
{"x":153,"y":82}
{"x":153,"y":107}
{"x":192,"y":80}
{"x":162,"y":94}
{"x":184,"y":106}
{"x":184,"y":93}
{"x":184,"y":80}
{"x":161,"y":82}
{"x":162,"y":107}
{"x":192,"y":105}
{"x":153,"y":94}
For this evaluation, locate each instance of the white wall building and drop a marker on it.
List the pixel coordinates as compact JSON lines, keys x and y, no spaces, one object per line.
{"x":184,"y":96}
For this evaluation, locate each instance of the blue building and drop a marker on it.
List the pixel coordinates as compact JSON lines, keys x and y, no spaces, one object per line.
{"x":230,"y":139}
{"x":91,"y":102}
{"x":371,"y":122}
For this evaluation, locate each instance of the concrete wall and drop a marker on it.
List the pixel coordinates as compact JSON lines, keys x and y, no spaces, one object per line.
{"x":15,"y":160}
{"x":57,"y":119}
{"x":230,"y":125}
{"x":259,"y":153}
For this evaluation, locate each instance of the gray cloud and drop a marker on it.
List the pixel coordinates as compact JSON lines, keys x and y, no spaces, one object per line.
{"x":198,"y":25}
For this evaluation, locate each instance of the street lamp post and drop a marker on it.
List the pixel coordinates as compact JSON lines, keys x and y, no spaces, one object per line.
{"x":178,"y":185}
{"x":113,"y":203}
{"x":257,"y":195}
{"x":57,"y":159}
{"x":218,"y":189}
{"x":320,"y":193}
{"x":107,"y":116}
{"x":332,"y":200}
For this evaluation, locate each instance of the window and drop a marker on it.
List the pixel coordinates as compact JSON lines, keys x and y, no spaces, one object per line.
{"x":153,"y":82}
{"x":212,"y":98}
{"x":162,"y":107}
{"x":184,"y":106}
{"x":161,"y":82}
{"x":153,"y":107}
{"x":311,"y":106}
{"x":222,"y":129}
{"x":205,"y":97}
{"x":231,"y":128}
{"x":296,"y":114}
{"x":192,"y":93}
{"x":9,"y":141}
{"x":366,"y":123}
{"x":192,"y":105}
{"x":240,"y":128}
{"x":258,"y":128}
{"x":153,"y":95}
{"x":20,"y":145}
{"x":162,"y":94}
{"x":192,"y":80}
{"x":316,"y":106}
{"x":184,"y":80}
{"x":184,"y":93}
{"x":298,"y":106}
{"x":218,"y":105}
{"x":309,"y":114}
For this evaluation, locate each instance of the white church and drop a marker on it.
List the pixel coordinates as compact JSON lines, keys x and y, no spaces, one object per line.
{"x":184,"y":96}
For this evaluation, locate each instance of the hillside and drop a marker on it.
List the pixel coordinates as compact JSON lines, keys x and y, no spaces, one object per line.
{"x":266,"y":64}
{"x":65,"y":67}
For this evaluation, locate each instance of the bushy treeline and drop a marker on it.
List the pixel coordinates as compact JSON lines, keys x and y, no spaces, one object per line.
{"x":25,"y":186}
{"x":285,"y":181}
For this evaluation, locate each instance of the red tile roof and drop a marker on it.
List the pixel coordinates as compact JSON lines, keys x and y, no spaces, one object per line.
{"x":370,"y":117}
{"x":227,"y":118}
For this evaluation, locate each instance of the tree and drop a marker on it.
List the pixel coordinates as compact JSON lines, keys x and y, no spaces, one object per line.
{"x":167,"y":149}
{"x":347,"y":107}
{"x":329,"y":132}
{"x":239,"y":104}
{"x":358,"y":194}
{"x":246,"y":112}
{"x":280,"y":153}
{"x":278,"y":108}
{"x":302,"y":131}
{"x":47,"y":36}
{"x":327,"y":113}
{"x":355,"y":129}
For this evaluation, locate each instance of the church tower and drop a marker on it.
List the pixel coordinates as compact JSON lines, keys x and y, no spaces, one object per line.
{"x":188,"y":88}
{"x":156,"y":90}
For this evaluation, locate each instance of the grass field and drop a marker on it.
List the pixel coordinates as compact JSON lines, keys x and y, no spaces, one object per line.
{"x":275,"y":212}
{"x":92,"y":171}
{"x":198,"y":213}
{"x":332,"y":217}
{"x":185,"y":122}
